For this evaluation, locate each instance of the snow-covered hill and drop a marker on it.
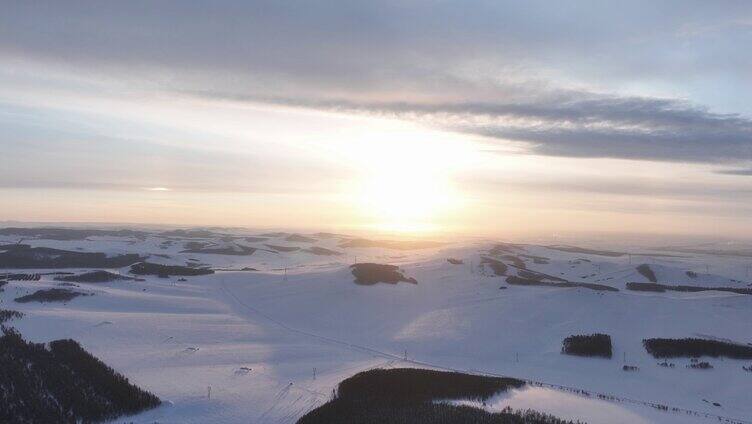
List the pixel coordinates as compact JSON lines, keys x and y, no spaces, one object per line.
{"x":271,"y":332}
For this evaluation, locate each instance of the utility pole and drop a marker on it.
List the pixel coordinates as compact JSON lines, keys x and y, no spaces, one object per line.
{"x":208,"y":392}
{"x":314,"y":373}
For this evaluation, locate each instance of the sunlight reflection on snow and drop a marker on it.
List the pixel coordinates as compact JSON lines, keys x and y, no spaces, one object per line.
{"x":563,"y":405}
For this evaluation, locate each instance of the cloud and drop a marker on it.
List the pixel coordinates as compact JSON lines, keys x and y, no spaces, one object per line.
{"x":572,"y":124}
{"x":741,"y":172}
{"x":533,"y":72}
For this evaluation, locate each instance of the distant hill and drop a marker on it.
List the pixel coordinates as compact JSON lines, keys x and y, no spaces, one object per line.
{"x":68,"y":233}
{"x":25,"y":256}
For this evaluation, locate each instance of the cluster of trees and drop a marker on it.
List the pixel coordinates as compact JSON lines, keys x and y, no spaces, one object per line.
{"x":370,"y":273}
{"x":62,"y":383}
{"x":282,"y":248}
{"x":414,"y":385}
{"x":408,"y":396}
{"x":51,"y":295}
{"x":233,"y":250}
{"x":25,"y":256}
{"x":700,"y":365}
{"x":660,"y":288}
{"x":148,"y":268}
{"x":521,"y":281}
{"x":694,"y":348}
{"x":93,"y":277}
{"x":597,"y":344}
{"x":69,"y":233}
{"x":342,"y":411}
{"x":584,"y":251}
{"x":647,"y":272}
{"x":7,"y":315}
{"x":23,"y":277}
{"x":498,"y":267}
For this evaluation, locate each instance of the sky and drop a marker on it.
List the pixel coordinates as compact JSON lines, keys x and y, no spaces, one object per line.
{"x":498,"y":118}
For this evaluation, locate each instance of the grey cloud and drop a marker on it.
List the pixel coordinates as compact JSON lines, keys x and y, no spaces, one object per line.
{"x":491,"y":68}
{"x":379,"y":47}
{"x":593,"y":126}
{"x":740,"y":172}
{"x":575,"y":124}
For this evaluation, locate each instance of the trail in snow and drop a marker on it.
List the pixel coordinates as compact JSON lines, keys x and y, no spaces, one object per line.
{"x":394,"y":357}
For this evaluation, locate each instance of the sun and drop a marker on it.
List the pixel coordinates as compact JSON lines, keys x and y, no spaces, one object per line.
{"x":406,"y":202}
{"x":403,"y":175}
{"x":407,"y":188}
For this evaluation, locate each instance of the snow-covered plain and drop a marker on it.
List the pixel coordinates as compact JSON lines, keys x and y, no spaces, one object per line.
{"x":266,"y":346}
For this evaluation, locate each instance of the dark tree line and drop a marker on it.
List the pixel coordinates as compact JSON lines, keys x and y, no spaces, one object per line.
{"x":588,"y":345}
{"x":93,"y":277}
{"x":22,"y":277}
{"x":700,"y":366}
{"x":69,"y":233}
{"x":660,"y":288}
{"x":370,"y":273}
{"x":7,"y":315}
{"x":694,"y":348}
{"x":413,"y":384}
{"x":25,"y":256}
{"x":647,"y":272}
{"x":341,"y":411}
{"x":51,"y":295}
{"x":498,"y":267}
{"x":148,"y":268}
{"x":408,"y":396}
{"x":62,"y":383}
{"x":521,"y":281}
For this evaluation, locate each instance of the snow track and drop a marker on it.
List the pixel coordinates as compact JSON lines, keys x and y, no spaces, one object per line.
{"x":395,"y":358}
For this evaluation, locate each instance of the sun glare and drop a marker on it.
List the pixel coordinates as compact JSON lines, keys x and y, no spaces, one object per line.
{"x":402,"y":202}
{"x":406,"y":181}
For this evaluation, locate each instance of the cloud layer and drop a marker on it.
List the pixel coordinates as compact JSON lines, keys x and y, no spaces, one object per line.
{"x":581,"y":124}
{"x":554,"y":76}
